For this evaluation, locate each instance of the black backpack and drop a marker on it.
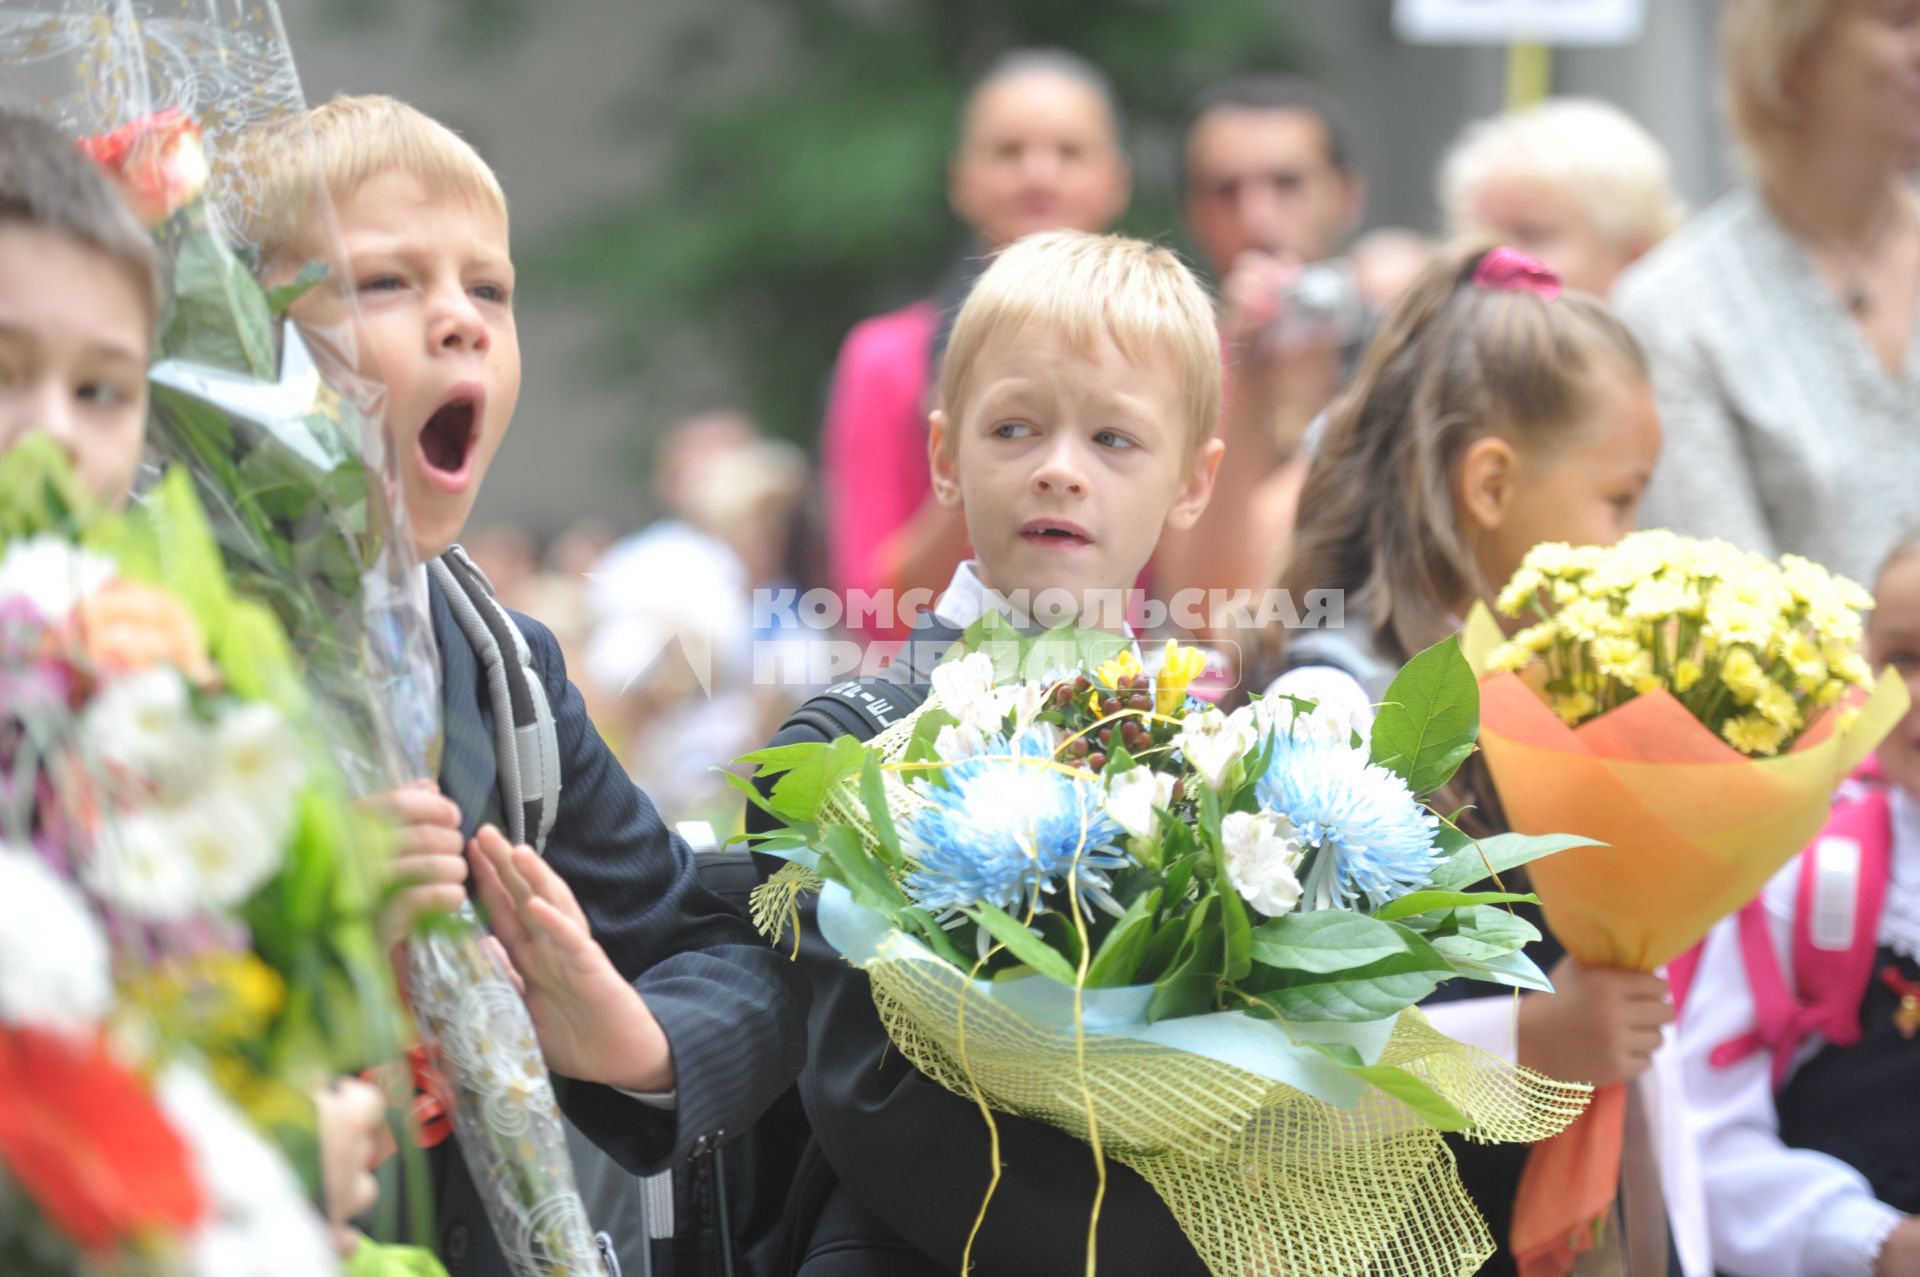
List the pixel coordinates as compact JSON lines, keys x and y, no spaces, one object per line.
{"x":774,"y":1175}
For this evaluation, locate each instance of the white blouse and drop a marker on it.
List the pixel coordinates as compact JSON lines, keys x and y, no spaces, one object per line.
{"x":1779,"y":1211}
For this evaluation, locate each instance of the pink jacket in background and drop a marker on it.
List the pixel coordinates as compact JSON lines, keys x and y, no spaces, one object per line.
{"x":874,"y":446}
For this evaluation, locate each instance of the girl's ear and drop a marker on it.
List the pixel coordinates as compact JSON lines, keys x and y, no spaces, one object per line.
{"x":1484,"y":483}
{"x":943,"y":460}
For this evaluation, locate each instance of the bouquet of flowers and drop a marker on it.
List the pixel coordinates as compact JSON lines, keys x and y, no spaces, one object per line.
{"x":241,"y":406}
{"x":1689,"y":708}
{"x":188,"y":900}
{"x":1084,"y":898}
{"x":283,"y":444}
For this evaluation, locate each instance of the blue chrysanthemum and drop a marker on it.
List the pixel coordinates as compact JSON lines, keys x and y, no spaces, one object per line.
{"x":1370,"y":838}
{"x":1007,"y":831}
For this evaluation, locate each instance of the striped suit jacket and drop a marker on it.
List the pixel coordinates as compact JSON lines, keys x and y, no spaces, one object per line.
{"x":733,"y":1009}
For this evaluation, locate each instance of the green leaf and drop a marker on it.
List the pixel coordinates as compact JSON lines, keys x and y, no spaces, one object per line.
{"x":935,"y":935}
{"x":1420,"y":902}
{"x":1179,"y":872}
{"x":1118,"y":956}
{"x":845,"y":858}
{"x":873,"y":793}
{"x":808,"y":773}
{"x":1485,"y":933}
{"x":1326,"y":940}
{"x":1429,"y":719}
{"x":1432,"y":1107}
{"x":1476,"y":862}
{"x":219,"y":315}
{"x":1237,"y":933}
{"x":1186,"y":990}
{"x":1515,"y":970}
{"x":281,"y":299}
{"x":926,"y":729}
{"x":1369,"y":993}
{"x":1023,"y":944}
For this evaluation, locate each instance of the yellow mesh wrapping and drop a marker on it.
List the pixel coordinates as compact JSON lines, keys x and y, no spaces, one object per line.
{"x":1262,"y":1178}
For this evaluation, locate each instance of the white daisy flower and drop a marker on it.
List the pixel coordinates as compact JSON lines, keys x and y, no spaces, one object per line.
{"x":54,"y":969}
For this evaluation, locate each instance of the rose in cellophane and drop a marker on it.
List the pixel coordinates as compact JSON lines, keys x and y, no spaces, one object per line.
{"x":1084,"y":898}
{"x":285,"y":447}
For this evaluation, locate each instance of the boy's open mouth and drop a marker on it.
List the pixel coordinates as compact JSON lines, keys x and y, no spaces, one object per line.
{"x":1055,"y":533}
{"x":448,"y":437}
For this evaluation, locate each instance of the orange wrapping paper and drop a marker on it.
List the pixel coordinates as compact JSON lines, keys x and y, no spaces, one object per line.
{"x":1693,"y":830}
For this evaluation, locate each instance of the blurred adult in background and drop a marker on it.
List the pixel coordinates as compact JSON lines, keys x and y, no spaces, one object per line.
{"x":1573,"y":182}
{"x":1271,"y":195}
{"x":672,"y":612}
{"x":1039,"y":148}
{"x":1781,"y":320}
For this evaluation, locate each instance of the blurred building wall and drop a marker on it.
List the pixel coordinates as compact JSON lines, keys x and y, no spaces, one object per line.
{"x":549,"y":107}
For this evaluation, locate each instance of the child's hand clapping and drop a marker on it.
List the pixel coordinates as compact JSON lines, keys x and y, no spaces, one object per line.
{"x":592,"y":1023}
{"x":1599,"y":1025}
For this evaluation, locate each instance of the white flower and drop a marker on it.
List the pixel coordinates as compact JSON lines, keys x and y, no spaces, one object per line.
{"x":259,"y":1221}
{"x":1024,"y":701}
{"x":957,"y":742}
{"x":54,"y":969}
{"x":965,"y":688}
{"x":1261,"y":851}
{"x":138,"y":868}
{"x":257,"y":755}
{"x":230,"y":848}
{"x":1211,"y":742}
{"x":1132,"y":796}
{"x":144,"y":722}
{"x":52,"y":575}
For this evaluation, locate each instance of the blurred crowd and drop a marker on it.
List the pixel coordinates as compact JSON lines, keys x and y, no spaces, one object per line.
{"x":1778,"y":321}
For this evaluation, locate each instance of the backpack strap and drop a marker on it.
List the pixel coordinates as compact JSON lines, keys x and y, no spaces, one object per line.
{"x":526,"y":743}
{"x":861,"y":708}
{"x":1838,"y":898}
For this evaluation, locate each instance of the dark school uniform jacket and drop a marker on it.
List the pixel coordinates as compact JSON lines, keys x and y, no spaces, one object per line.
{"x":733,"y":1010}
{"x":899,"y":1165}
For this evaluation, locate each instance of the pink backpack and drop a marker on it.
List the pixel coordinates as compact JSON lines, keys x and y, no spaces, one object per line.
{"x":1836,"y":928}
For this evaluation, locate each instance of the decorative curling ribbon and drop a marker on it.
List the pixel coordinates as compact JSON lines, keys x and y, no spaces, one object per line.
{"x":1508,"y":270}
{"x":433,"y":1100}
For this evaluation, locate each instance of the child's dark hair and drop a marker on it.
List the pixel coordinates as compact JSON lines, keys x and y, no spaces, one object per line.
{"x":1452,"y":363}
{"x":46,"y":182}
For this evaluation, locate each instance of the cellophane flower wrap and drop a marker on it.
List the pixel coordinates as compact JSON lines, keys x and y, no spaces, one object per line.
{"x":284,"y":444}
{"x":1191,"y":939}
{"x":187,"y":900}
{"x":1690,"y":709}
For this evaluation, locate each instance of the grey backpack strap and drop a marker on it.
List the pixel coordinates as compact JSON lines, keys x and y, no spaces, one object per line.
{"x":526,"y":744}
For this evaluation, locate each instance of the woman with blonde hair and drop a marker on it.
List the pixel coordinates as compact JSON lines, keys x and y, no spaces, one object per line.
{"x":1781,"y":322}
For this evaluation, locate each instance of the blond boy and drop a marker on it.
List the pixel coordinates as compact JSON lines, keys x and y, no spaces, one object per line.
{"x":666,"y":1020}
{"x":1081,"y":389}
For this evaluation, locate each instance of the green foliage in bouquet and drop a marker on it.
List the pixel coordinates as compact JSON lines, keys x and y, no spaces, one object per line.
{"x":309,"y":994}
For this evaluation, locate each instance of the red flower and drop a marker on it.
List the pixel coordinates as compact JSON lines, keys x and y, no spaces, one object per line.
{"x":157,"y":161}
{"x":85,"y":1140}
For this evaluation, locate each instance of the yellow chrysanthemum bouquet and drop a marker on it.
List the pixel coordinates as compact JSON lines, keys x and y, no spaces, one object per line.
{"x":1691,"y":707}
{"x":1753,"y":649}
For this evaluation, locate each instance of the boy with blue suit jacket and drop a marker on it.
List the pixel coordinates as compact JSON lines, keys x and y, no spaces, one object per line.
{"x":667,"y":1022}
